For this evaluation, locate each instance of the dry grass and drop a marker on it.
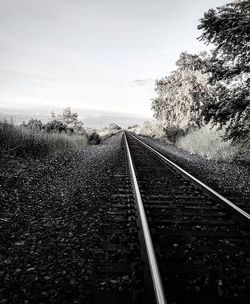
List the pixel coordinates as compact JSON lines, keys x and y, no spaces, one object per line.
{"x":208,"y":142}
{"x":205,"y":141}
{"x":23,"y":142}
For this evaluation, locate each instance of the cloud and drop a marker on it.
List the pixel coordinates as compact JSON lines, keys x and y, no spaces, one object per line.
{"x":143,"y":82}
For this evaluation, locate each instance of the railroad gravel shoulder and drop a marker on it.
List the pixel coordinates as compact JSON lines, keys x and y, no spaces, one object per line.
{"x":230,"y":179}
{"x":50,"y":223}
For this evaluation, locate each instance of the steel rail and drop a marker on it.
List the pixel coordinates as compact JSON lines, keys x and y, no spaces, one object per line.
{"x":154,"y":270}
{"x":244,"y":214}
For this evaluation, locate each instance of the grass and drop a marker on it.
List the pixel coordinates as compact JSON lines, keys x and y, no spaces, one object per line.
{"x":208,"y":143}
{"x":24,"y":142}
{"x":205,"y":141}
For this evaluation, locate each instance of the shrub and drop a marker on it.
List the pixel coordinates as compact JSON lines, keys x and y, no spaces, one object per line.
{"x":55,"y":126}
{"x":173,"y":133}
{"x":154,"y":129}
{"x":243,"y":152}
{"x":133,"y":127}
{"x":97,"y":136}
{"x":106,"y":133}
{"x":34,"y":124}
{"x":151,"y":128}
{"x":94,"y":138}
{"x":25,"y":142}
{"x":66,"y":122}
{"x":114,"y":127}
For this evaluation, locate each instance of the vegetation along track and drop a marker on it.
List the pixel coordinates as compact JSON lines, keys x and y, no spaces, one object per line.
{"x":201,"y":240}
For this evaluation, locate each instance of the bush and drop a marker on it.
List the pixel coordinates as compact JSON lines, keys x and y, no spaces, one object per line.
{"x":97,"y":136}
{"x":173,"y":133}
{"x":25,"y":142}
{"x":243,"y":152}
{"x":150,"y":128}
{"x":55,"y":126}
{"x":106,"y":133}
{"x":114,"y":127}
{"x":133,"y":127}
{"x":34,"y":124}
{"x":94,"y":138}
{"x":154,"y":129}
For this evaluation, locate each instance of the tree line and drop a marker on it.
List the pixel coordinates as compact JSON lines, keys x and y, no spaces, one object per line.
{"x":211,"y":88}
{"x":66,"y":122}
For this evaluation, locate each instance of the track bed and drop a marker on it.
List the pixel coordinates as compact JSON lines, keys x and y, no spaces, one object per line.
{"x":202,"y":248}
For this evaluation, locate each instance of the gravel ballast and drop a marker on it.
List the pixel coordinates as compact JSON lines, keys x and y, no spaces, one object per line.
{"x":52,"y":211}
{"x":50,"y":223}
{"x":230,"y":179}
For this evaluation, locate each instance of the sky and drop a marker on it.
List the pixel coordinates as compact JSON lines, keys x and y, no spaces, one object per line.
{"x":99,"y":55}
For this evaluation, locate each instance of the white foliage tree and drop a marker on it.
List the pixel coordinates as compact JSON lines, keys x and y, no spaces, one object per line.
{"x":180,"y":95}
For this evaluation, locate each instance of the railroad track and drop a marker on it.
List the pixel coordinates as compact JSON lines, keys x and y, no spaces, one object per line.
{"x":194,"y":244}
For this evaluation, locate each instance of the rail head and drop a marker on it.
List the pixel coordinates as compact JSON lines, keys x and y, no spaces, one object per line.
{"x":243,"y":215}
{"x":154,"y":270}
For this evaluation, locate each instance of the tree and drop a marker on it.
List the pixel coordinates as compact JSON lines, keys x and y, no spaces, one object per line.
{"x":55,"y":125}
{"x":65,"y":122}
{"x":34,"y":124}
{"x":133,"y":127}
{"x":228,"y":28}
{"x":114,"y":127}
{"x":70,"y":119}
{"x":180,"y":95}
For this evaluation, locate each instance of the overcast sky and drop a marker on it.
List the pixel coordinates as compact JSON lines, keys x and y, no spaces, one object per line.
{"x":93,"y":54}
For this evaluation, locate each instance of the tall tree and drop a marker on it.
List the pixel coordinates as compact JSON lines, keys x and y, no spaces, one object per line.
{"x":180,"y":95}
{"x":228,"y":29}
